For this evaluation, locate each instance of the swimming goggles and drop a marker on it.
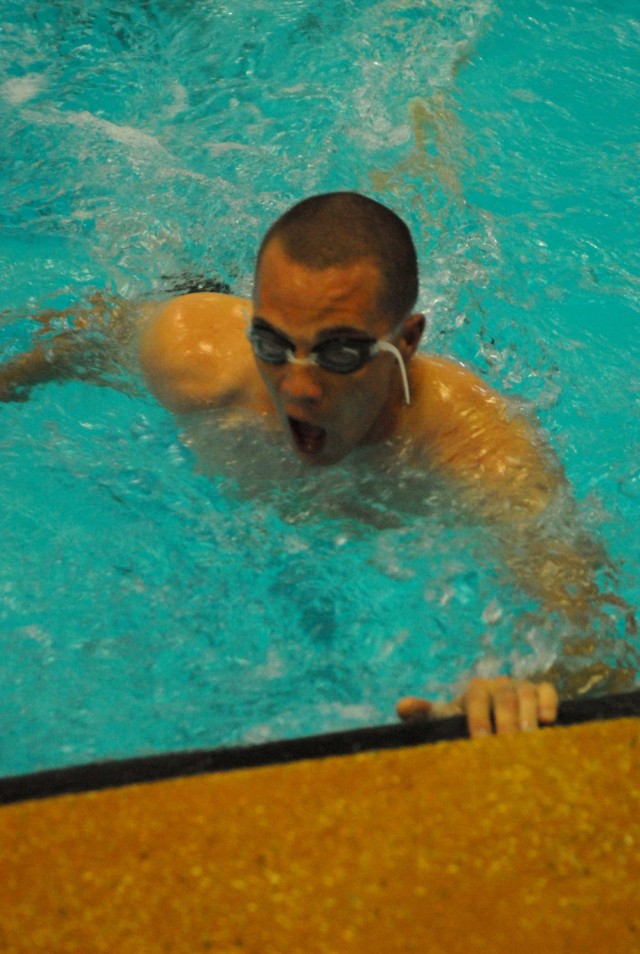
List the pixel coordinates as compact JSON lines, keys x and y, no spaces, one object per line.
{"x":339,"y":355}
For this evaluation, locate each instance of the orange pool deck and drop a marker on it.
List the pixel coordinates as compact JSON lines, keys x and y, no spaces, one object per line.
{"x":527,"y":843}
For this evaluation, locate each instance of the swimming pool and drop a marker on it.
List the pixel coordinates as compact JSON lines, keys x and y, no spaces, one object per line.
{"x":147,"y":604}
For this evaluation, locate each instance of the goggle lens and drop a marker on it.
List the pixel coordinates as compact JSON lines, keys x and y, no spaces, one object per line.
{"x":340,"y":355}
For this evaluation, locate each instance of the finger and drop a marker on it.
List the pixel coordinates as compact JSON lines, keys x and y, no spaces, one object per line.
{"x":547,"y":702}
{"x":442,"y":710}
{"x":411,"y":707}
{"x":477,"y":704}
{"x":506,"y":707}
{"x":529,"y":707}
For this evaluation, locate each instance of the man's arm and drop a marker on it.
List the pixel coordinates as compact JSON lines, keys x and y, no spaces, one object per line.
{"x":191,"y":349}
{"x":511,"y":479}
{"x":90,"y":349}
{"x":43,"y":363}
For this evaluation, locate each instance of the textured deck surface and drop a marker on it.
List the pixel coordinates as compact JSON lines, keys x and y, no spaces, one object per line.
{"x":512,"y":844}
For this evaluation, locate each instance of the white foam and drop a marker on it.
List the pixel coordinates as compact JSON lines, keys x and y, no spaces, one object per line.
{"x":127,"y":135}
{"x":21,"y":89}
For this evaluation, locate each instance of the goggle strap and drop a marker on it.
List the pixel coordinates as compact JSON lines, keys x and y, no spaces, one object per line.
{"x":382,"y":345}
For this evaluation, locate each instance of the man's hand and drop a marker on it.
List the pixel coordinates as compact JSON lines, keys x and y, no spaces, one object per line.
{"x":501,"y":705}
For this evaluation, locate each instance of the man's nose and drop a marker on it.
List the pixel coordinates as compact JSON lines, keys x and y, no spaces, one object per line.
{"x":299,"y":382}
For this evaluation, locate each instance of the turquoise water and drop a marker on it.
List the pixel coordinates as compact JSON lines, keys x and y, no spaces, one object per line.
{"x":148,"y":605}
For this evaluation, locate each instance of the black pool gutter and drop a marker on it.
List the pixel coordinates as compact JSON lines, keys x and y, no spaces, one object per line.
{"x":116,"y":774}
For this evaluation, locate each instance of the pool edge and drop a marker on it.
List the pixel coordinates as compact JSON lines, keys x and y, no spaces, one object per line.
{"x":142,"y":769}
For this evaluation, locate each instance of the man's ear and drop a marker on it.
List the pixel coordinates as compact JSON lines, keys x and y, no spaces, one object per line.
{"x":412,"y":332}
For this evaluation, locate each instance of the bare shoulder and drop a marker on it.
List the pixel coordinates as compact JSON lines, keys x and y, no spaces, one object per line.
{"x":193,"y":350}
{"x":190,"y":320}
{"x":476,"y":433}
{"x":449,"y":391}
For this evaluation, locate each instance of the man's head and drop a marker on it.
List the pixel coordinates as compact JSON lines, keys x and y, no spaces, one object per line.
{"x":336,"y":280}
{"x":341,"y":228}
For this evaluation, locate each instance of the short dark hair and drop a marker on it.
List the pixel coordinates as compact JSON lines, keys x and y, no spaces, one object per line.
{"x":340,"y":228}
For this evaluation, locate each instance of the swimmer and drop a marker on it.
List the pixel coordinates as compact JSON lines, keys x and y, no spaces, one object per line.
{"x":326,"y":351}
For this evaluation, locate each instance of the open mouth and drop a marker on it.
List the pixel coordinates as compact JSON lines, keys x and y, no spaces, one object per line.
{"x":308,"y":438}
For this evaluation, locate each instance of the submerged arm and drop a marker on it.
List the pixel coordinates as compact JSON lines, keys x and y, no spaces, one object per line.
{"x":513,"y":481}
{"x":37,"y":366}
{"x":90,"y":349}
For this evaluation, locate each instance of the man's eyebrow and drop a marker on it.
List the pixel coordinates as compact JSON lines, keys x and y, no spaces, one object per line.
{"x":343,"y":331}
{"x":327,"y":334}
{"x":259,"y":322}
